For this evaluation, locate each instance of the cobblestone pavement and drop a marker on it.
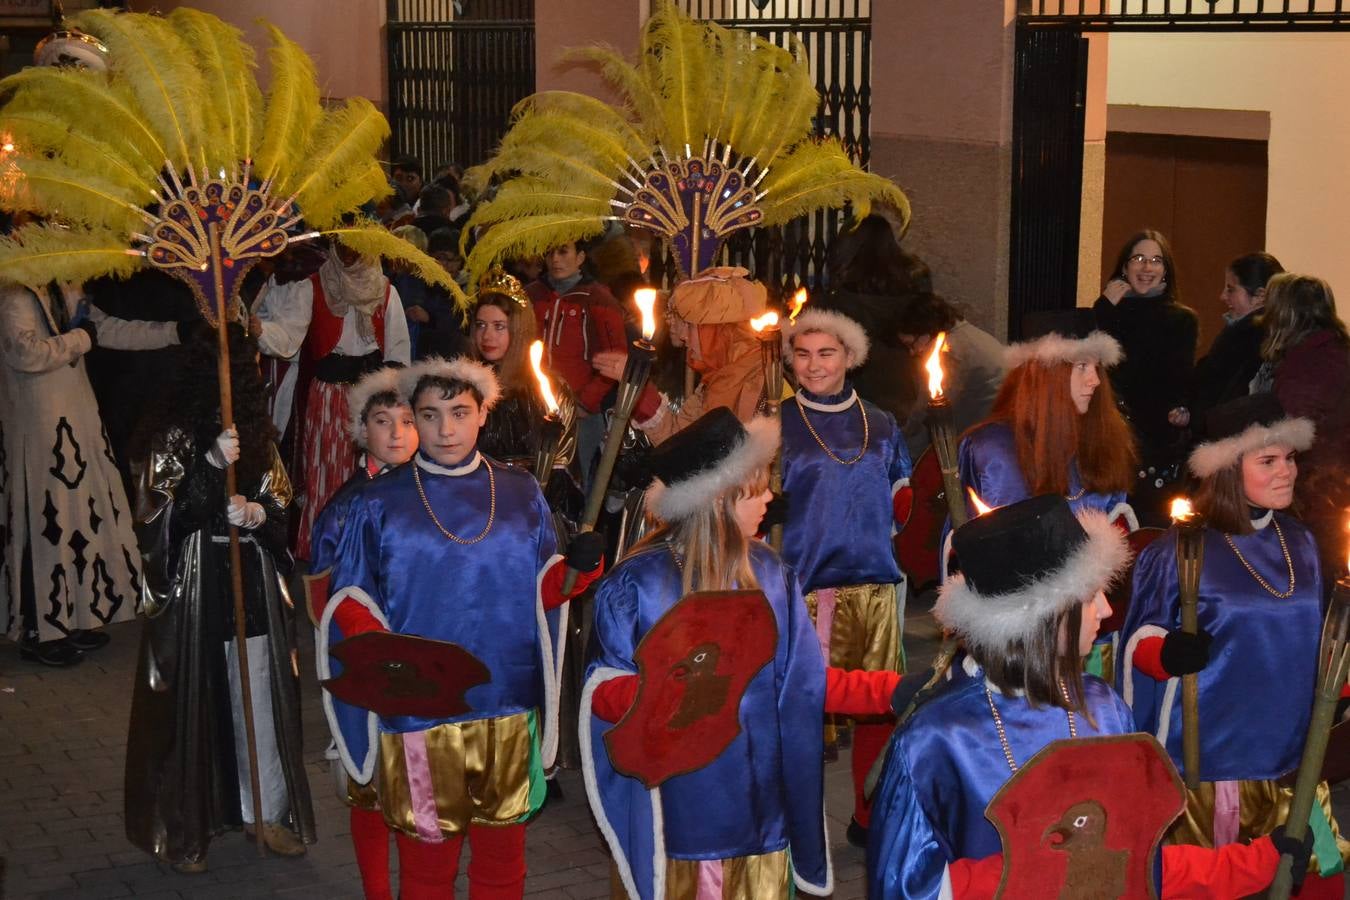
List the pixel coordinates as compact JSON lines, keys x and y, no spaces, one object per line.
{"x":62,"y":744}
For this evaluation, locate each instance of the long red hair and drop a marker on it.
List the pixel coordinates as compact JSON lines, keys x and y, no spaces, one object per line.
{"x":1035,"y":402}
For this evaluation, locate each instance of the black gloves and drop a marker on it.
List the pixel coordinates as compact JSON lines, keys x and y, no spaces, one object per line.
{"x":908,"y":689}
{"x":776,"y":512}
{"x":586,"y":550}
{"x":1301,"y":853}
{"x":1185,"y":654}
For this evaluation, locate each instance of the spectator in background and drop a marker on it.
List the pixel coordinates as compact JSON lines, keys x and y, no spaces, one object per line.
{"x":407,"y":172}
{"x":870,"y":278}
{"x":412,"y":290}
{"x":443,"y":333}
{"x":433,"y":208}
{"x":973,"y":363}
{"x":1140,"y":307}
{"x":1233,"y":359}
{"x":394,"y":211}
{"x":1306,"y":356}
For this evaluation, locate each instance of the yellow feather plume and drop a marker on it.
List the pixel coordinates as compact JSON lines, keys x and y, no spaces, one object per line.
{"x":522,"y":197}
{"x":530,"y":236}
{"x":292,"y":111}
{"x":48,"y":187}
{"x":160,"y":71}
{"x":642,"y":99}
{"x":674,"y":65}
{"x":343,"y":147}
{"x":371,"y":239}
{"x":796,"y":104}
{"x":365,"y":184}
{"x":34,"y":254}
{"x":87,"y":101}
{"x":820,"y":176}
{"x":228,"y":69}
{"x":43,"y":135}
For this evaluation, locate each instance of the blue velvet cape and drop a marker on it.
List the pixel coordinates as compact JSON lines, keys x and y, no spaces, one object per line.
{"x":483,"y":597}
{"x":1256,"y":693}
{"x":840,"y":518}
{"x":765,"y":792}
{"x":945,"y":766}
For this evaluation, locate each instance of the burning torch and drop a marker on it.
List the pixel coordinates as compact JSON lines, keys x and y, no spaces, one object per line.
{"x":551,"y":428}
{"x":641,"y":355}
{"x":1190,"y":560}
{"x":771,"y":363}
{"x":941,"y":434}
{"x":1333,"y":666}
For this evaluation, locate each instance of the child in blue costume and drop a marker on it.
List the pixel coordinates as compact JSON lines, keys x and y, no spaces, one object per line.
{"x":843,"y":462}
{"x":1027,"y":603}
{"x":750,"y":823}
{"x":456,"y":548}
{"x":1260,"y":619}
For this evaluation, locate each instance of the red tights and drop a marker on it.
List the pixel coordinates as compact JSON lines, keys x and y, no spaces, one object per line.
{"x":496,"y":864}
{"x":869,"y":742}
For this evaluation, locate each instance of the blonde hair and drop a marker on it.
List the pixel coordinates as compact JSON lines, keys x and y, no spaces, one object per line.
{"x":715,"y":555}
{"x":1295,"y":307}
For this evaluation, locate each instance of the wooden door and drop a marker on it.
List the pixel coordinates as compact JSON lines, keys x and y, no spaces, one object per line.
{"x":1208,"y":195}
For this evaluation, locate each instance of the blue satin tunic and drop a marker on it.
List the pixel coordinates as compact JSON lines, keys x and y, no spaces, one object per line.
{"x":1256,"y":693}
{"x":765,"y":792}
{"x":483,"y":596}
{"x":945,"y":766}
{"x":987,"y":460}
{"x":840,"y":518}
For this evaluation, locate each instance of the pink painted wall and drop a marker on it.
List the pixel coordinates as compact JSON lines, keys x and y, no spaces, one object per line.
{"x":561,"y":24}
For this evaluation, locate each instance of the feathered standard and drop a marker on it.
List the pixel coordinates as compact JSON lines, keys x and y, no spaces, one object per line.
{"x":173,"y":157}
{"x":714,"y":137}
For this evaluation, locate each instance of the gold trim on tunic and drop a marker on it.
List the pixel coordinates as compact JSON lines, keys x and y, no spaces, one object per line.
{"x":482,"y":772}
{"x":1262,"y":807}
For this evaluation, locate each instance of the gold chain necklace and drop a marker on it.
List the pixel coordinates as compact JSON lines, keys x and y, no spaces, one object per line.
{"x":1003,"y":737}
{"x":801,"y":410}
{"x":1288,"y":561}
{"x":492,"y":506}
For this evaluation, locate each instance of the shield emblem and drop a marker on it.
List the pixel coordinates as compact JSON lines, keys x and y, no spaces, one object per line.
{"x":1083,"y":818}
{"x":404,"y":675}
{"x":694,"y":666}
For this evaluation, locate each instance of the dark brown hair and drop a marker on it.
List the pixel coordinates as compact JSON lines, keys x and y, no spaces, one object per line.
{"x":1223,"y":503}
{"x":1169,"y":268}
{"x":1036,"y":667}
{"x":1049,"y":433}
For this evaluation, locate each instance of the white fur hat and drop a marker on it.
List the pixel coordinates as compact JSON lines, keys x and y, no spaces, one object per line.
{"x":461,"y":368}
{"x":1240,"y":426}
{"x":701,"y":462}
{"x":1099,"y":347}
{"x":1023,"y":564}
{"x":380,"y":381}
{"x":849,"y":332}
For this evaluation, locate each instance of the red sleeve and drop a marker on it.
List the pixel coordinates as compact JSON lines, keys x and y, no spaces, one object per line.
{"x":614,"y":698}
{"x":648,"y":402}
{"x":857,"y":693}
{"x":1234,"y":870}
{"x":607,"y":319}
{"x":551,"y":589}
{"x":975,"y":879}
{"x":1148,"y":658}
{"x":352,"y":618}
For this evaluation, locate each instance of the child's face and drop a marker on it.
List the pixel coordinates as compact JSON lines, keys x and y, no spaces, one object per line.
{"x":391,"y":434}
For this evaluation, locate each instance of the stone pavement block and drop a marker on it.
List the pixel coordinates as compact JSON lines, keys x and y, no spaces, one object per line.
{"x":18,"y":885}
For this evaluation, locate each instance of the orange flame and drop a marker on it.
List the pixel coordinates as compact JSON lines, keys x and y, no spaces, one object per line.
{"x":768,"y":320}
{"x":798,"y":301}
{"x":645,"y":298}
{"x":934,"y":366}
{"x":980,"y":507}
{"x":545,"y":389}
{"x":1181,"y":509}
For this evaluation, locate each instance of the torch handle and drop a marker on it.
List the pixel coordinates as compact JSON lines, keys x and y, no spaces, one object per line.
{"x":944,"y":444}
{"x":1190,"y":560}
{"x":1335,"y":664}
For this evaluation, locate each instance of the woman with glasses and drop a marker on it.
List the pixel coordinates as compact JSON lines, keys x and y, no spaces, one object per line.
{"x":1140,"y":308}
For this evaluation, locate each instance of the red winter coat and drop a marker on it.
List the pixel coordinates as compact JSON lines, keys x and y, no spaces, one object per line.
{"x":574,"y":327}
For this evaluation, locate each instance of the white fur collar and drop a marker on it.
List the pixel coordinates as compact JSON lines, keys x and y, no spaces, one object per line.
{"x":466,"y":468}
{"x":827,"y":407}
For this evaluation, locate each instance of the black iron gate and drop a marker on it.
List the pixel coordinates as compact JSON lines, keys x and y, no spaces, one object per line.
{"x":1048,"y":106}
{"x":456,"y":67}
{"x":837,"y":35}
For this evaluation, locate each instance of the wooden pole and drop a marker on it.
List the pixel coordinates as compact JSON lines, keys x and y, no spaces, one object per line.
{"x":1190,"y":560}
{"x":236,"y":564}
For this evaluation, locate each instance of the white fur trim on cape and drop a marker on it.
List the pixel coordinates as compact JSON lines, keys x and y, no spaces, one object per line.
{"x":673,"y":502}
{"x":1098,"y":347}
{"x":990,"y":623}
{"x":358,"y":395}
{"x":849,"y":332}
{"x":1125,"y":513}
{"x":552,"y":660}
{"x":818,"y":890}
{"x":361,"y":772}
{"x":461,"y":368}
{"x":1127,"y":682}
{"x":616,"y":849}
{"x":1214,"y":456}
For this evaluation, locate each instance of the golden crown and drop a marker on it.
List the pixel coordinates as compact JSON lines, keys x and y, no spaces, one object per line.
{"x":497,"y":281}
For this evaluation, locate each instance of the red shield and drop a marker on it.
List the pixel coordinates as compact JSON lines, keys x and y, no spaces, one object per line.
{"x":918,"y":544}
{"x":316,"y":587}
{"x":693,"y":668}
{"x":1121,"y":591}
{"x":403,"y":675}
{"x":1083,"y":818}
